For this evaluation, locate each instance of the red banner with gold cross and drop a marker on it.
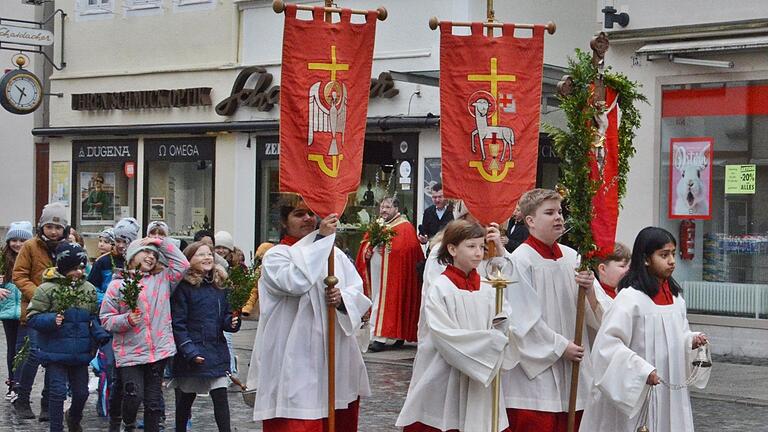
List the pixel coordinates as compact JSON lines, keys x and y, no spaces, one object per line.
{"x":325,"y":81}
{"x":490,"y":99}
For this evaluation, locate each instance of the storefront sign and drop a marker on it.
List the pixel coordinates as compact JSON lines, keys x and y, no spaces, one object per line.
{"x":383,"y":86}
{"x":268,"y":147}
{"x":690,"y":178}
{"x":261,"y":96}
{"x":740,"y":179}
{"x":193,"y":149}
{"x":25,"y":35}
{"x":103,"y":151}
{"x":144,"y":99}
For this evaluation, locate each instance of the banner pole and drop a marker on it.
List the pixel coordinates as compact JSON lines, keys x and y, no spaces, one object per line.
{"x":496,"y":383}
{"x":575,"y":365}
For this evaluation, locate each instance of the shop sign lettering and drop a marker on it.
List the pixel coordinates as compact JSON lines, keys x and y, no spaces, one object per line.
{"x":144,"y":99}
{"x":25,"y":36}
{"x":272,"y":149}
{"x":261,"y":96}
{"x":383,"y":86}
{"x":90,"y":152}
{"x":176,"y":150}
{"x":117,"y":150}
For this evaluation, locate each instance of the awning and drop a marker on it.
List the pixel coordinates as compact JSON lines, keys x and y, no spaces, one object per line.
{"x":702,"y":46}
{"x":374,"y":124}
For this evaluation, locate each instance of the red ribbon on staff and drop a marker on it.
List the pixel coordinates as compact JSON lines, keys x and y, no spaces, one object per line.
{"x":604,"y":168}
{"x":326,"y":77}
{"x":490,"y":103}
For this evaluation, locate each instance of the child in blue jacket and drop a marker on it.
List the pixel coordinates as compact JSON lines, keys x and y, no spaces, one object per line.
{"x":65,"y":315}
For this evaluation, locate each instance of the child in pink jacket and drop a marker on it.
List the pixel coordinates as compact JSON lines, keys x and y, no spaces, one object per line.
{"x":143,"y":338}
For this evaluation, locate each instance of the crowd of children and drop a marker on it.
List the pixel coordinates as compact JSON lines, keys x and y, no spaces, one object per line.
{"x":64,"y":312}
{"x":144,"y":304}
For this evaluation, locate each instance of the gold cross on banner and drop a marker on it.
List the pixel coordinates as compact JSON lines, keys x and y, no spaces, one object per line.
{"x":494,"y":78}
{"x":333,"y":67}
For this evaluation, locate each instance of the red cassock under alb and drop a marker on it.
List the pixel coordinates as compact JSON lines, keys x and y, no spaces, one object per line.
{"x":346,"y":421}
{"x":522,"y":420}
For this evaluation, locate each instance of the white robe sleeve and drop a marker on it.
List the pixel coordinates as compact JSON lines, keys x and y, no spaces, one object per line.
{"x":356,"y":304}
{"x":539,"y":346}
{"x":292,"y":271}
{"x":620,"y":373}
{"x":478,"y":354}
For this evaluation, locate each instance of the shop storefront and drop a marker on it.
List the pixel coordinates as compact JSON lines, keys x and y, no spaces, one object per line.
{"x":714,"y":173}
{"x":179,"y":184}
{"x":390,"y":167}
{"x":104,"y":183}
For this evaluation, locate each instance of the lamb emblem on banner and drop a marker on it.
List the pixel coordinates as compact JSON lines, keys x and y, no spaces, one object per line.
{"x":485,"y":107}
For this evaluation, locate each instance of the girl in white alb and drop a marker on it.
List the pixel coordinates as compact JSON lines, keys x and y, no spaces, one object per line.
{"x":644,"y":341}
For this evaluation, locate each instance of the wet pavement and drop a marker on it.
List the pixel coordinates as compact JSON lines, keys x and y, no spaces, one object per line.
{"x":736,"y":401}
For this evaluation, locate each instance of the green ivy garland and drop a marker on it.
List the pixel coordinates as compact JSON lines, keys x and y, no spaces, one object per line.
{"x":574,"y":145}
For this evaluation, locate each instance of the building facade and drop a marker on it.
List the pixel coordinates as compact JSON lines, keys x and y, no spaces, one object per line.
{"x":23,"y":158}
{"x":700,"y":169}
{"x":171,"y":110}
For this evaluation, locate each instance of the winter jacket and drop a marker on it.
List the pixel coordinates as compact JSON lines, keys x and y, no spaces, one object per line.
{"x":10,"y":307}
{"x":80,"y":334}
{"x":101,"y":273}
{"x":200,"y":316}
{"x":34,"y":258}
{"x":151,"y":340}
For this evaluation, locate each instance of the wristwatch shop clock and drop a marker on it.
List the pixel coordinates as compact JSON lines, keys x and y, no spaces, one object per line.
{"x":21,"y":92}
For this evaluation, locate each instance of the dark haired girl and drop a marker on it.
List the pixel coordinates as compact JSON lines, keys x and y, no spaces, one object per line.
{"x":645,"y":340}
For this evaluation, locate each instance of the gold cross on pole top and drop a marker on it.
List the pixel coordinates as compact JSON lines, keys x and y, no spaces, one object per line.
{"x":494,"y":78}
{"x":333,"y":67}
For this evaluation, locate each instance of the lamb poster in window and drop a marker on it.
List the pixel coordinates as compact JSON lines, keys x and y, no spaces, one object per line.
{"x":690,"y":178}
{"x":97,"y":194}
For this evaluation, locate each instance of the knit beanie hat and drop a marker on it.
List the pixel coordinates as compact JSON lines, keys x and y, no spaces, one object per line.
{"x":224,"y":239}
{"x":162,"y":226}
{"x":70,"y":256}
{"x":54,"y":213}
{"x":108,"y":235}
{"x":21,"y":230}
{"x":135,"y":247}
{"x":126,"y":229}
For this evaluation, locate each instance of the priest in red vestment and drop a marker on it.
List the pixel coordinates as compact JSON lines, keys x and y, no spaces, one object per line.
{"x":391,"y":280}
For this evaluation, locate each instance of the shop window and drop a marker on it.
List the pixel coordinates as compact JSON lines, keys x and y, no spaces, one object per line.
{"x":390,"y":168}
{"x":105,"y":184}
{"x":179,"y":184}
{"x":714,"y":180}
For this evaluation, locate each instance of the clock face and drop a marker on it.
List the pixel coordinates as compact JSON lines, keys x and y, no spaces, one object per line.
{"x":20,"y":92}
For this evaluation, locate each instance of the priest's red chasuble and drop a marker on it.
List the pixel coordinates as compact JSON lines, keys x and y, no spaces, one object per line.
{"x":398,"y":300}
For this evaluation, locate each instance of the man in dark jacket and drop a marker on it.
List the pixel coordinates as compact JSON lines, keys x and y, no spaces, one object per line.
{"x":435,"y":216}
{"x":517,"y":231}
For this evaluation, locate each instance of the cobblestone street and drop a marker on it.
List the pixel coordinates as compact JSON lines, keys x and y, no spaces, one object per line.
{"x":735,"y":401}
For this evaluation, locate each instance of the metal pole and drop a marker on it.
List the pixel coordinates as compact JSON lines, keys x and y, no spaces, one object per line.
{"x":496,"y":384}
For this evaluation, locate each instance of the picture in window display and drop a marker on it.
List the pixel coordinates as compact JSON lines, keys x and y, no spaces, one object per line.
{"x":690,"y":174}
{"x":97,"y":194}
